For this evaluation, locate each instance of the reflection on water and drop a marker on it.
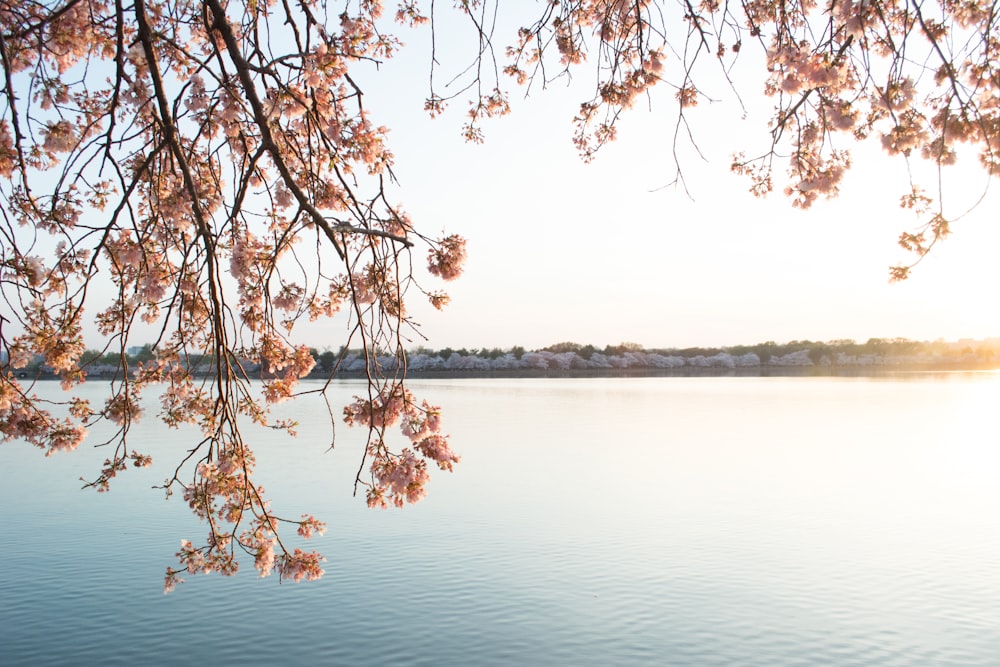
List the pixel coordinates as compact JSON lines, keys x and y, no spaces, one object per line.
{"x":681,"y":521}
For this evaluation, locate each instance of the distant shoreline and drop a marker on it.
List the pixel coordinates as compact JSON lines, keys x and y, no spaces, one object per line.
{"x":686,"y":371}
{"x":597,"y":373}
{"x":875,"y":358}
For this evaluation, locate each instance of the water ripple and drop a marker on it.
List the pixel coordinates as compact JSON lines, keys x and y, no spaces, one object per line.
{"x":603,"y":534}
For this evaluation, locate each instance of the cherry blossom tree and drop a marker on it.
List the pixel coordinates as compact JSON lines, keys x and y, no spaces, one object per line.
{"x":213,"y":166}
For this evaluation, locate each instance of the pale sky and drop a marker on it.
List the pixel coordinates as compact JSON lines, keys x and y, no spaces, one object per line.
{"x":600,"y":253}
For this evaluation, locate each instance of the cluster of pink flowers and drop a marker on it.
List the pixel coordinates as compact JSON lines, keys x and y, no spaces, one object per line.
{"x":570,"y":48}
{"x":435,"y":447}
{"x":22,"y":418}
{"x":438,"y":299}
{"x":8,"y":154}
{"x":224,"y":496}
{"x":381,"y":411}
{"x":60,"y":137}
{"x":310,"y":526}
{"x":816,"y":175}
{"x":194,"y":560}
{"x":220,"y":487}
{"x":287,"y":364}
{"x":409,"y":13}
{"x":123,"y":406}
{"x":908,"y":134}
{"x":796,"y":69}
{"x":400,"y":478}
{"x":447,"y":258}
{"x":328,"y":305}
{"x":244,"y":257}
{"x":486,"y":106}
{"x":289,"y":297}
{"x":300,"y":565}
{"x":264,"y":558}
{"x":181,"y":401}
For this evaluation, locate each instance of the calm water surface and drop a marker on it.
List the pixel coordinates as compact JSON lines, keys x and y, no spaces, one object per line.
{"x":655,"y":521}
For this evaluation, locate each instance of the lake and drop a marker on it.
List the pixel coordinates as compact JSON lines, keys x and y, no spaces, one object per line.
{"x":631,"y":521}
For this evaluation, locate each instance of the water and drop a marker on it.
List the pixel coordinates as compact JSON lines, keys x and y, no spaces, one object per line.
{"x":667,"y":521}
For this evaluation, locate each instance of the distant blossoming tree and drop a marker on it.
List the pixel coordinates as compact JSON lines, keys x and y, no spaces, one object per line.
{"x":213,"y":166}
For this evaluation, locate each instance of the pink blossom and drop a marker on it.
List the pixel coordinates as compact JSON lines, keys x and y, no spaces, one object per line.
{"x":171,"y":580}
{"x":310,"y":526}
{"x":435,"y":447}
{"x":264,"y":558}
{"x":301,"y":565}
{"x":401,"y":477}
{"x":447,"y":258}
{"x":65,"y":437}
{"x":60,"y":137}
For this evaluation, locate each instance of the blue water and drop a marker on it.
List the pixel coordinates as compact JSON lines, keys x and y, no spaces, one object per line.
{"x":666,"y":521}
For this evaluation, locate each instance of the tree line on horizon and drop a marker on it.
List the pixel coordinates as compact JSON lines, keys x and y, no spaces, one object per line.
{"x":815,"y":351}
{"x":791,"y":353}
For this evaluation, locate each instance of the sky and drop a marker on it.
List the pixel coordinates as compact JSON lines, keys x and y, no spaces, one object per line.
{"x":601,"y":253}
